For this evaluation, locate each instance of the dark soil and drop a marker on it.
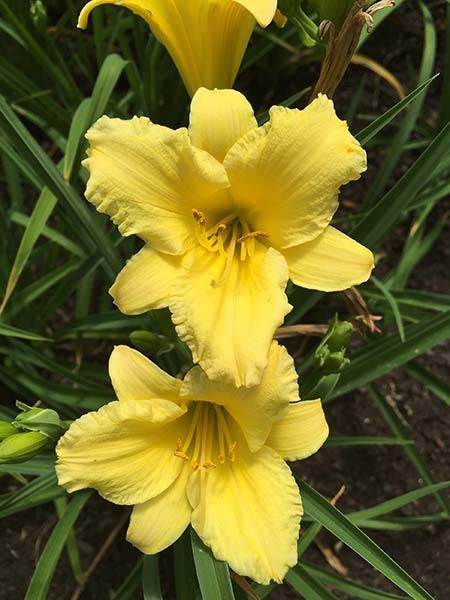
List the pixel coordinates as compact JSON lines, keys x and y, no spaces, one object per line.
{"x":370,"y":474}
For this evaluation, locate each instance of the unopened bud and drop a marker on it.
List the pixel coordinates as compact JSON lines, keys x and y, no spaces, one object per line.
{"x":151,"y":343}
{"x":21,"y":446}
{"x":340,"y":336}
{"x":38,"y":15}
{"x":6,"y":429}
{"x":44,"y":420}
{"x":334,"y":363}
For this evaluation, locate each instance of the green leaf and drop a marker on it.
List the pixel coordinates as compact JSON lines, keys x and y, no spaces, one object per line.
{"x":430,"y":381}
{"x":150,"y":578}
{"x":393,"y":304}
{"x":371,"y":440}
{"x":213,"y":575}
{"x":41,"y":212}
{"x":398,"y":428}
{"x":319,"y":509}
{"x":398,"y":502}
{"x":43,"y":573}
{"x":307,"y":586}
{"x":352,"y":589}
{"x":9,"y":331}
{"x":383,"y":354}
{"x":379,"y":221}
{"x":92,"y":108}
{"x":38,"y":167}
{"x":366,"y":134}
{"x":186,"y":585}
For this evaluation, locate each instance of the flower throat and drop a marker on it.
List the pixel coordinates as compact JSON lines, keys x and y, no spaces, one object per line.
{"x":208,"y":436}
{"x":228,"y":236}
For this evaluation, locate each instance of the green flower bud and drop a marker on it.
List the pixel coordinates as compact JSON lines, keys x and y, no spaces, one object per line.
{"x":21,"y":446}
{"x":334,"y":363}
{"x":151,"y":343}
{"x":340,"y":336}
{"x":6,"y":429}
{"x":38,"y":15}
{"x":44,"y":420}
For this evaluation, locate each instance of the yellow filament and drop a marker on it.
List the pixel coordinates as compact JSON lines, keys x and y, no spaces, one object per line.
{"x":209,"y":441}
{"x":220,"y":435}
{"x":229,"y":260}
{"x":198,"y":437}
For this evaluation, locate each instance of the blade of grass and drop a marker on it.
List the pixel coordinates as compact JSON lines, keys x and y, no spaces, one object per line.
{"x":352,"y":589}
{"x":412,"y":452}
{"x":150,"y":578}
{"x":398,"y":502}
{"x":43,"y":573}
{"x":319,"y":509}
{"x":430,"y":381}
{"x":365,"y":135}
{"x":393,"y":304}
{"x":213,"y":575}
{"x":9,"y":331}
{"x":307,"y":585}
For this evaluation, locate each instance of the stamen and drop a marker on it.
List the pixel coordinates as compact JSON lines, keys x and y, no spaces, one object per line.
{"x":229,"y":261}
{"x":199,"y":216}
{"x":220,"y":435}
{"x":252,"y":234}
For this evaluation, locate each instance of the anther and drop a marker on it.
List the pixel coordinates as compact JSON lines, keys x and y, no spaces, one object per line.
{"x":231,"y":450}
{"x":220,"y":228}
{"x":252,"y":234}
{"x":208,"y":464}
{"x":199,"y":216}
{"x":181,"y":454}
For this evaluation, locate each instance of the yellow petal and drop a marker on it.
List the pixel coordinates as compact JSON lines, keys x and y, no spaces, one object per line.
{"x":255,"y":409}
{"x":248,"y":512}
{"x":206,"y":38}
{"x":330,"y":262}
{"x":229,"y":325}
{"x":159,"y":522}
{"x":135,"y":377}
{"x":262,"y":10}
{"x":148,"y":178}
{"x":285,"y":176}
{"x":146,"y":282}
{"x":125,"y":450}
{"x":300,"y":432}
{"x":218,"y":119}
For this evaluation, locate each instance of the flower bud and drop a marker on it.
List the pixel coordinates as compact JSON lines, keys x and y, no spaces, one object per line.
{"x":38,"y":15}
{"x":44,"y":420}
{"x":6,"y":429}
{"x":151,"y":343}
{"x":340,"y":337}
{"x":21,"y":446}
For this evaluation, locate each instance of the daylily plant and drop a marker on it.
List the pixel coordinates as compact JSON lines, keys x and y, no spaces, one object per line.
{"x":206,"y":38}
{"x":200,"y":452}
{"x":228,"y":212}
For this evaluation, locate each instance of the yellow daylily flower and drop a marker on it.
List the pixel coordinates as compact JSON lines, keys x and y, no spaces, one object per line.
{"x":206,"y":38}
{"x":229,"y":211}
{"x":203,"y":453}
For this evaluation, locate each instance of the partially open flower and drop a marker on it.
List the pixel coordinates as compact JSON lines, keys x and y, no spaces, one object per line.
{"x":206,"y":38}
{"x":229,"y":211}
{"x":200,"y":452}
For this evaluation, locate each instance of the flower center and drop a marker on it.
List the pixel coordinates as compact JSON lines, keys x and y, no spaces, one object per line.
{"x":208,"y":436}
{"x":228,"y":236}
